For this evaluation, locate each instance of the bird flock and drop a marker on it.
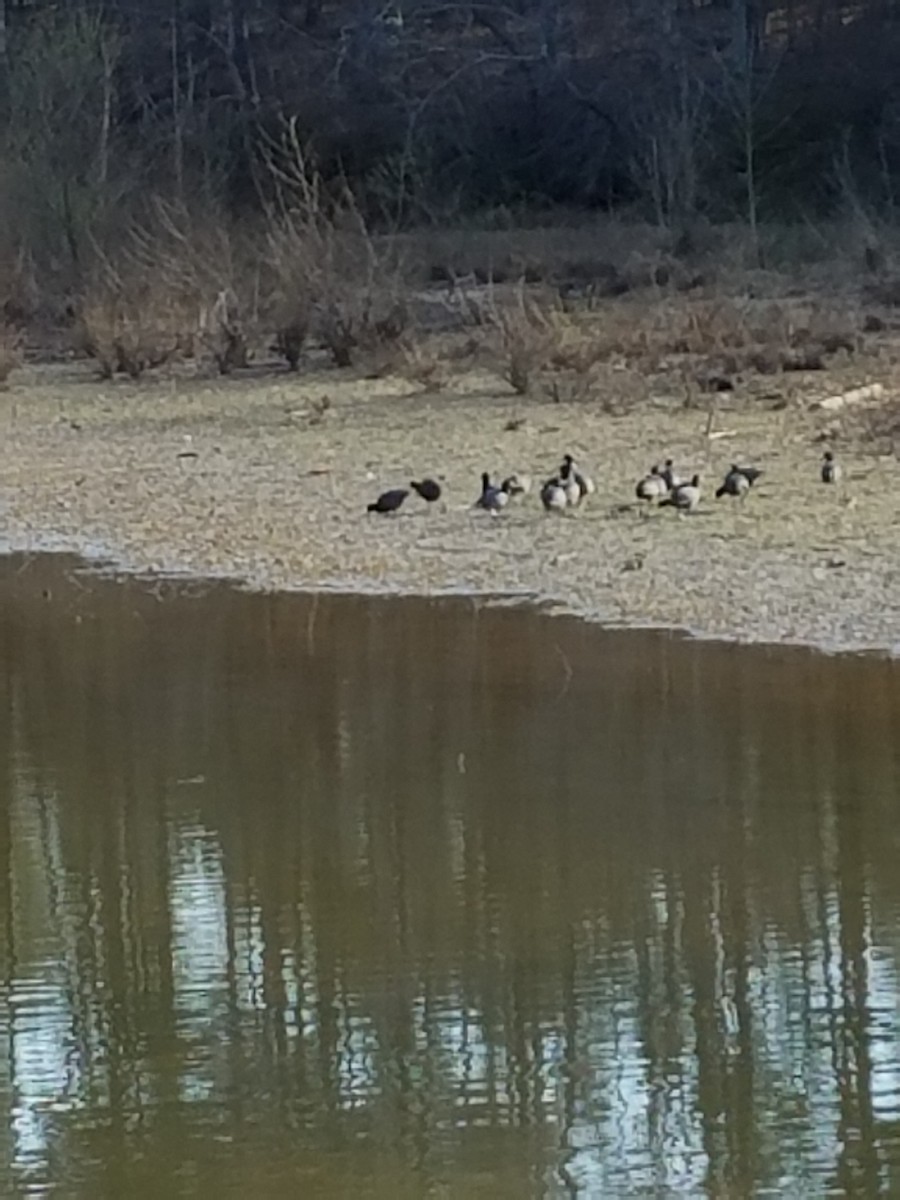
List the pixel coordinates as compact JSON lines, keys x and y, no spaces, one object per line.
{"x":570,"y":486}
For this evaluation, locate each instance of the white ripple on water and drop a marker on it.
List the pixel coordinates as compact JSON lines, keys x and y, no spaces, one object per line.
{"x":197,"y":902}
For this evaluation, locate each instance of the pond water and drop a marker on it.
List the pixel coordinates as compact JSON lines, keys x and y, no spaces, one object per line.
{"x":392,"y":898}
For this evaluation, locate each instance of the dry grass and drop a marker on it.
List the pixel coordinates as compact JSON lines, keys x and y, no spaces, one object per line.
{"x":878,"y":426}
{"x":716,"y":339}
{"x":544,"y":346}
{"x":614,"y":297}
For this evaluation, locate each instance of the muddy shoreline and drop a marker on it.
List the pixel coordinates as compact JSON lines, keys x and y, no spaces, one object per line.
{"x":254,"y":480}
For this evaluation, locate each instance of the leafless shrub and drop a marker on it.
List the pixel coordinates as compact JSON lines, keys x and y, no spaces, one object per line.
{"x":529,"y":333}
{"x":333,"y":276}
{"x":167,"y":293}
{"x":10,"y":353}
{"x":19,"y":294}
{"x":290,"y":335}
{"x":129,"y":326}
{"x":211,"y":275}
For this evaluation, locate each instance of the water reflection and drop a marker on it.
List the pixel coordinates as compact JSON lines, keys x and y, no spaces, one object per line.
{"x":348,"y":897}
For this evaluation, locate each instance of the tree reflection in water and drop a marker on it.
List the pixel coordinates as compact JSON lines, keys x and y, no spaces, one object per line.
{"x":391,"y":897}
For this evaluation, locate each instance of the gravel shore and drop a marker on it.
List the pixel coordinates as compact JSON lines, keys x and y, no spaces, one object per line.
{"x":262,"y":480}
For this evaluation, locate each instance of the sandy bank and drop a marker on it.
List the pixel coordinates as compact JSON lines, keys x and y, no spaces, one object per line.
{"x":277,"y":491}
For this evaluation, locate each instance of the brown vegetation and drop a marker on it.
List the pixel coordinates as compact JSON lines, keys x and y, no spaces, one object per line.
{"x":430,"y":118}
{"x":10,"y":353}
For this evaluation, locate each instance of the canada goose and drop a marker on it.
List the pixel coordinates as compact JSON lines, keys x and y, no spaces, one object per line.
{"x":516,"y":485}
{"x":751,"y":474}
{"x":428,"y":489}
{"x":685,"y":497}
{"x":585,"y":483}
{"x":553,"y":496}
{"x":670,"y":475}
{"x":735,"y":483}
{"x":492,"y":499}
{"x":653,"y":486}
{"x":388,"y":502}
{"x":831,"y":470}
{"x":568,"y":481}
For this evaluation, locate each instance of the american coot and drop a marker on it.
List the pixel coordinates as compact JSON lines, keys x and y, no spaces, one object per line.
{"x":428,"y":489}
{"x":685,"y":497}
{"x":653,"y":486}
{"x":553,"y":496}
{"x":492,"y":499}
{"x":388,"y":502}
{"x":831,"y":470}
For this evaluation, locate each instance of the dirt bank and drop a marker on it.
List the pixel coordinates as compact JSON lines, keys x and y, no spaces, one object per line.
{"x":261,"y":480}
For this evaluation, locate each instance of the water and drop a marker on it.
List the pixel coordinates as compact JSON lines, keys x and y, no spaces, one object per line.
{"x":363,"y":898}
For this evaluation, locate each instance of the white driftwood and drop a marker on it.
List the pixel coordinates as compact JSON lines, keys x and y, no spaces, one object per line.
{"x":871,"y":391}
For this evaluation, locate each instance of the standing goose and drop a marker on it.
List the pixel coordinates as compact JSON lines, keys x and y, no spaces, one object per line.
{"x":685,"y":497}
{"x":570,"y":486}
{"x":428,"y":489}
{"x":653,"y":486}
{"x":671,"y":476}
{"x":492,"y":499}
{"x":831,"y":470}
{"x":388,"y":502}
{"x":735,"y":483}
{"x":585,"y":483}
{"x":553,"y":496}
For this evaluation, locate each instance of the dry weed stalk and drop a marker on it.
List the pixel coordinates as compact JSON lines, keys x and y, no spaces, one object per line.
{"x":222,"y":333}
{"x":422,"y":363}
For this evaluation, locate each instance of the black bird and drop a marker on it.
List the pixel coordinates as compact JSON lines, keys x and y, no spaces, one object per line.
{"x":388,"y":502}
{"x":428,"y":489}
